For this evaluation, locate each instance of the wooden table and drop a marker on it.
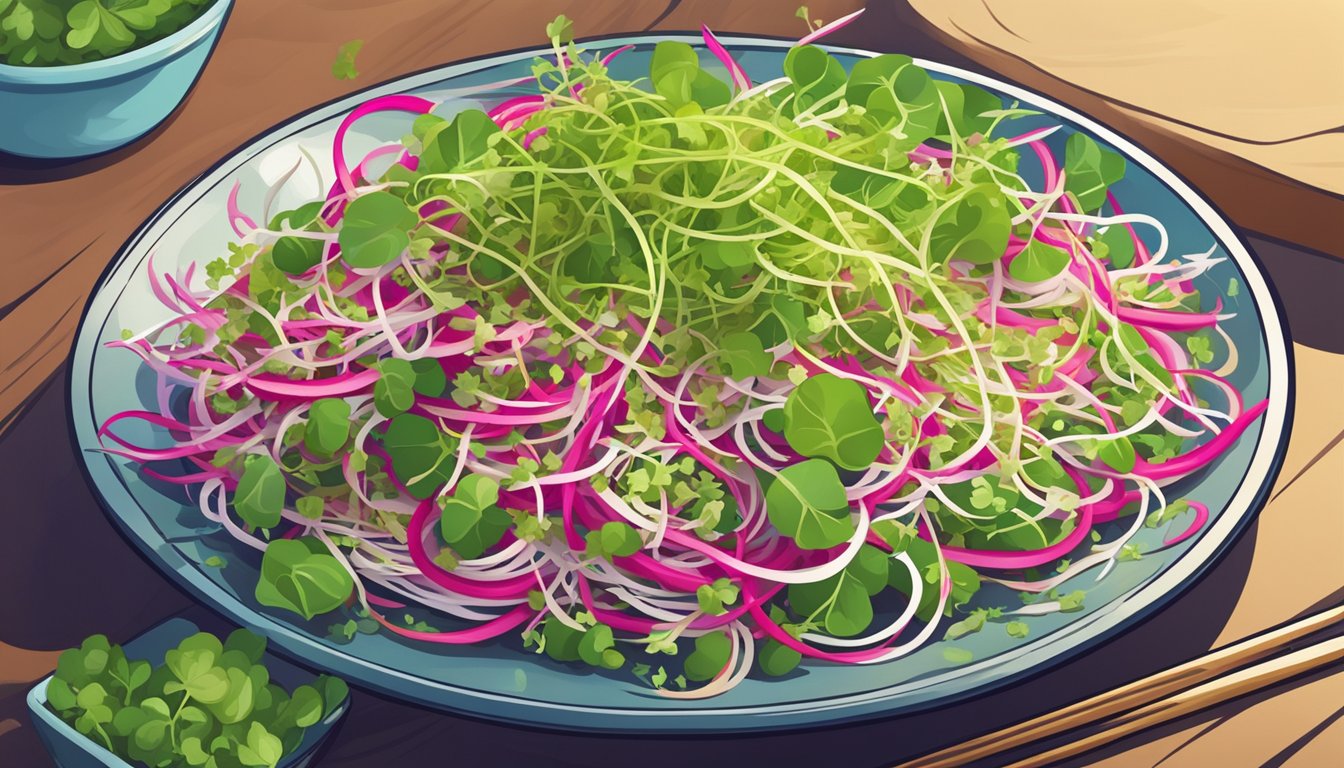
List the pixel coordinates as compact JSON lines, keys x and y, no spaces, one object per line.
{"x":67,"y":573}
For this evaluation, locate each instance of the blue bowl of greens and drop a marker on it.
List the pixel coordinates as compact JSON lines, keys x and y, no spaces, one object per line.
{"x":91,"y":79}
{"x":176,"y":695}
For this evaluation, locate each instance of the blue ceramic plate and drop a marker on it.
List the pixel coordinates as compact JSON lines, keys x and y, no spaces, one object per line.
{"x":501,"y":680}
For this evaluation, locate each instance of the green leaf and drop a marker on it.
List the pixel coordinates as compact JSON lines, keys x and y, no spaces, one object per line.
{"x":430,"y":379}
{"x":310,"y":506}
{"x":561,"y":30}
{"x":237,"y":702}
{"x":1038,"y":262}
{"x":303,"y":217}
{"x":1117,"y":453}
{"x":305,"y":706}
{"x":394,"y":391}
{"x":807,"y":503}
{"x":969,"y":625}
{"x":452,"y":146}
{"x":1089,"y":170}
{"x":193,"y":752}
{"x":250,"y":644}
{"x":817,"y":76}
{"x":142,"y":15}
{"x":260,"y":496}
{"x":262,"y":749}
{"x":830,"y":417}
{"x":842,"y":603}
{"x":1072,"y":602}
{"x":471,"y":521}
{"x":1166,"y":514}
{"x":1018,"y":629}
{"x":59,"y":695}
{"x":965,"y":582}
{"x":597,"y":647}
{"x":296,"y":255}
{"x":966,"y":104}
{"x":891,"y":87}
{"x":781,"y":318}
{"x":731,"y":255}
{"x":613,"y":539}
{"x":343,"y":68}
{"x":423,"y":457}
{"x":328,"y":426}
{"x":674,"y":71}
{"x":1118,"y":246}
{"x":20,"y":21}
{"x":300,"y":575}
{"x":562,"y":641}
{"x":745,"y":356}
{"x":334,"y":692}
{"x":712,"y":597}
{"x":91,"y":26}
{"x":91,"y":696}
{"x":150,"y":736}
{"x":375,"y":230}
{"x":709,"y":657}
{"x":975,"y":228}
{"x":777,"y":659}
{"x":209,"y":686}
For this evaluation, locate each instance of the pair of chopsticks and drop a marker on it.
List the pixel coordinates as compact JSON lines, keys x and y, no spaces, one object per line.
{"x":1220,"y":676}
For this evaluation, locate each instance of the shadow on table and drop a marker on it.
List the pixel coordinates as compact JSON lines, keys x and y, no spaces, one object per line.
{"x":16,"y":170}
{"x":1309,"y":284}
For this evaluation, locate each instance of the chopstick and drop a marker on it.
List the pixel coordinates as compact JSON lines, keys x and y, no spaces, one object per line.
{"x":1219,"y":676}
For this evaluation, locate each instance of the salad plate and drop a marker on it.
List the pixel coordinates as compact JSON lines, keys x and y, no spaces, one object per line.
{"x":500,"y":679}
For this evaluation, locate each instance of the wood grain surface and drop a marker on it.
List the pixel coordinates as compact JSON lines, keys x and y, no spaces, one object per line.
{"x":68,"y":574}
{"x":1242,"y":97}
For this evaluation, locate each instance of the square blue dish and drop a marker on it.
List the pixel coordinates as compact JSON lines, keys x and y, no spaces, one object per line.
{"x":71,"y":749}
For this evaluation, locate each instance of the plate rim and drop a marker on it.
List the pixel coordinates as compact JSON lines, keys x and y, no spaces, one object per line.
{"x":1063,"y":645}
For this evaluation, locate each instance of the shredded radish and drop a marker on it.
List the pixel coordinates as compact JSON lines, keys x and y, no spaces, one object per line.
{"x":604,"y":359}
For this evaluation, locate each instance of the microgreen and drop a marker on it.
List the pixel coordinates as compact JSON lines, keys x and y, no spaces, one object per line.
{"x":43,"y":33}
{"x":207,"y":703}
{"x":343,"y":68}
{"x":628,"y":335}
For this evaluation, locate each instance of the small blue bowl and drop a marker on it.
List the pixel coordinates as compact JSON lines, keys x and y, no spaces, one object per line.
{"x":84,"y":109}
{"x":72,"y":749}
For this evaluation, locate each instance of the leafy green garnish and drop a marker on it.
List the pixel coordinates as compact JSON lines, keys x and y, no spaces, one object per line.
{"x":208,"y":703}
{"x":613,"y":539}
{"x":777,"y":659}
{"x":1038,"y":262}
{"x":423,"y":457}
{"x":343,"y":68}
{"x":1116,"y":246}
{"x":830,"y":417}
{"x":806,"y":502}
{"x":394,"y":392}
{"x":302,"y":576}
{"x":842,"y":604}
{"x":42,"y":33}
{"x":375,"y":230}
{"x":260,"y":496}
{"x":709,"y":657}
{"x":974,"y":228}
{"x":328,"y":426}
{"x":1090,"y":170}
{"x":676,"y":75}
{"x":470,"y":521}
